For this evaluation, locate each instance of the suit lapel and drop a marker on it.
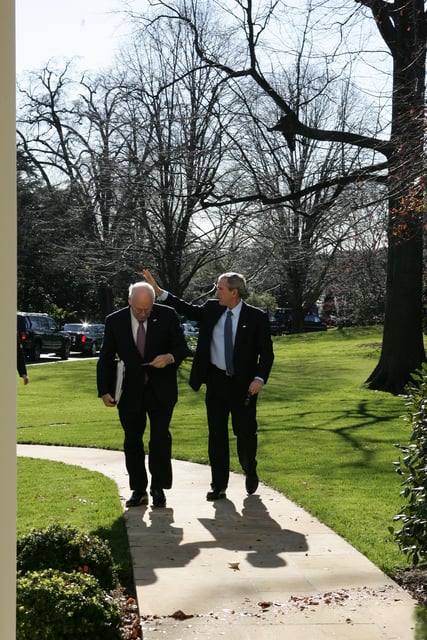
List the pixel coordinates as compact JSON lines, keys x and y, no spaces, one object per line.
{"x":242,"y":325}
{"x":152,"y":335}
{"x":152,"y":322}
{"x":128,"y":332}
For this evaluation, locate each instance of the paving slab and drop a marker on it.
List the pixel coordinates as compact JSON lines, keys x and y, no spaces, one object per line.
{"x":245,"y":567}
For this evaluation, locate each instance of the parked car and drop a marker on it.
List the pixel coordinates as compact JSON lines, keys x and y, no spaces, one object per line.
{"x":85,"y":338}
{"x":281,"y":321}
{"x":276,"y":326}
{"x":39,"y":333}
{"x":312,"y":322}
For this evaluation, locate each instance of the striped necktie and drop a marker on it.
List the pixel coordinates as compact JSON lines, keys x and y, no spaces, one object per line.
{"x":228,"y":343}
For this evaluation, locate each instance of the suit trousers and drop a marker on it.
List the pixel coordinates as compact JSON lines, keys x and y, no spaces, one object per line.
{"x":138,"y":402}
{"x":225,"y":397}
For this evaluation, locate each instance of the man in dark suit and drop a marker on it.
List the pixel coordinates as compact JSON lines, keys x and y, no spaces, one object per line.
{"x":20,"y":360}
{"x":149,"y":339}
{"x":232,"y":387}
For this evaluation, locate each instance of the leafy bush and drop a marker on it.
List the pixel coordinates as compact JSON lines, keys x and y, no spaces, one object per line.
{"x":67,"y":549}
{"x":53,"y":604}
{"x":412,"y":537}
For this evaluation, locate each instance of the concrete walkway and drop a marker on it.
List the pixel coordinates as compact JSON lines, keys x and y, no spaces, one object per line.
{"x":247,"y":567}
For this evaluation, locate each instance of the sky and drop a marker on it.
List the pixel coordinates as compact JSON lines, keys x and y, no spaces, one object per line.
{"x":88,"y":29}
{"x":47,"y":29}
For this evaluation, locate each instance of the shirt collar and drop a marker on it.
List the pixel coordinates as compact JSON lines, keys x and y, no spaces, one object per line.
{"x":236,"y":310}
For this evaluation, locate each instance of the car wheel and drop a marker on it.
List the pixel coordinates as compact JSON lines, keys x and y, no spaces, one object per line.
{"x":35,"y":352}
{"x":65,"y":351}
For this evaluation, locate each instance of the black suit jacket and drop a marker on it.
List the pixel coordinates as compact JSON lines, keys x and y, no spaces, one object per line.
{"x":20,"y":358}
{"x":253,"y":350}
{"x":164,"y":335}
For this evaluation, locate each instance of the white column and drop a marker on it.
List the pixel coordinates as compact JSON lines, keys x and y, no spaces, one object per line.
{"x":8,"y":319}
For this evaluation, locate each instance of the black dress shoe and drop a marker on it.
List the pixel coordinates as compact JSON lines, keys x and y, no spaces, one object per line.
{"x":215,"y":494}
{"x":159,"y":498}
{"x":251,"y":483}
{"x":137,"y":498}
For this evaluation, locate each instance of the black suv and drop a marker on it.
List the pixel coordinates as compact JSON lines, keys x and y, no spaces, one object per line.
{"x":86,"y":338}
{"x":39,"y":333}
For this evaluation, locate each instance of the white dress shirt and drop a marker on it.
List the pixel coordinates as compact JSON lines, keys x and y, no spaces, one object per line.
{"x":217,"y":342}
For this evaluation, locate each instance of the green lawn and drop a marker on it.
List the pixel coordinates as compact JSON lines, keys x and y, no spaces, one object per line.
{"x":324,"y":440}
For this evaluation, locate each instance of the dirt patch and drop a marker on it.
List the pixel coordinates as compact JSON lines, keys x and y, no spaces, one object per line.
{"x":370,"y":344}
{"x":415,"y":582}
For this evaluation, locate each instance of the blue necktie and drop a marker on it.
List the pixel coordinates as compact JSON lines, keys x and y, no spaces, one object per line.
{"x":228,"y":343}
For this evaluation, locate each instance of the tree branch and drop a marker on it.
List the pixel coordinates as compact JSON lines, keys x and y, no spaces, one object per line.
{"x":289,"y":124}
{"x":359,"y":175}
{"x":382,"y":13}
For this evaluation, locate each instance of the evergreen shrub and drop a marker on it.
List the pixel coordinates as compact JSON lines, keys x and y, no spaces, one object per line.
{"x":53,"y":605}
{"x":67,"y":549}
{"x":412,"y":536}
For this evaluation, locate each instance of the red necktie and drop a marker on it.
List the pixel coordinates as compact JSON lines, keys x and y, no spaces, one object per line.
{"x":140,"y":339}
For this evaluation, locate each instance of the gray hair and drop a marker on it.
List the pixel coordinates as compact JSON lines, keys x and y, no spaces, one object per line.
{"x":235,"y":281}
{"x":141,"y":285}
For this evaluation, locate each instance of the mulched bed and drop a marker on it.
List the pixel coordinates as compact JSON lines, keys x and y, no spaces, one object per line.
{"x":415,"y":582}
{"x":131,"y":623}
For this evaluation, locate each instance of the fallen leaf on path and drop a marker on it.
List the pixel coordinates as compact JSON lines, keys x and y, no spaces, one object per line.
{"x":180,"y":615}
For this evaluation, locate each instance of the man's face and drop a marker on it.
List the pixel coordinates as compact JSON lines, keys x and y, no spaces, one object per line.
{"x":226,"y":297}
{"x":141,"y":304}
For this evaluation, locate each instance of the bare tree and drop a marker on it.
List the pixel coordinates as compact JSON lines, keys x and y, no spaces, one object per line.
{"x":298,"y":238}
{"x":402,"y":27}
{"x":185,"y":154}
{"x":356,"y":291}
{"x":134,"y":151}
{"x":73,"y":133}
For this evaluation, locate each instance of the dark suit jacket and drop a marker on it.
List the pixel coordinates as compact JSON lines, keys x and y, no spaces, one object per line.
{"x":164,"y":335}
{"x":20,"y":358}
{"x":253,"y":349}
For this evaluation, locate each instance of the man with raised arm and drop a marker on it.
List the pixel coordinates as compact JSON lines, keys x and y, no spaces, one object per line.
{"x":233,"y":359}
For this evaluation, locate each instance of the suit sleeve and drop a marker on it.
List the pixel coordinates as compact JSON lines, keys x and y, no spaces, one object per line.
{"x":106,"y":365}
{"x":190,"y":311}
{"x":265,"y":349}
{"x":178,"y":344}
{"x":22,"y":367}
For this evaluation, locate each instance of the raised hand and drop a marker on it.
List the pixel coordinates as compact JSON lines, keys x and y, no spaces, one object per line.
{"x":151,"y":280}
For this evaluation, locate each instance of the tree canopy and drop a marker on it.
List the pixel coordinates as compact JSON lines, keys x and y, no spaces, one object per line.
{"x":402,"y":28}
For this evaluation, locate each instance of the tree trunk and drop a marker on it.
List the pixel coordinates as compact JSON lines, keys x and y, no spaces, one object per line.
{"x":106,"y":303}
{"x":403,"y":346}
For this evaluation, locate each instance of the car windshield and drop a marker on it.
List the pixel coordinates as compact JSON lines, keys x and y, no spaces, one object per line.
{"x":75,"y":327}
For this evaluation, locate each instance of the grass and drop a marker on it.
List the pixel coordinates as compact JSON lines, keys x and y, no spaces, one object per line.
{"x":71,"y":495}
{"x":325,"y":441}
